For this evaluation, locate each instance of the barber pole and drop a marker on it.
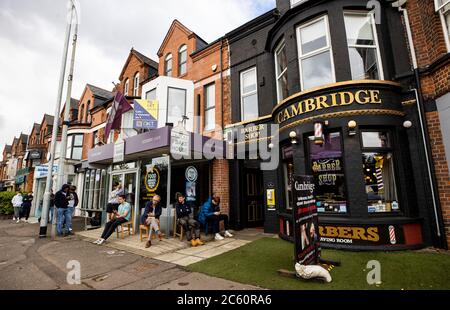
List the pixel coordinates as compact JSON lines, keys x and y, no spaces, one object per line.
{"x":318,"y":133}
{"x":392,"y":234}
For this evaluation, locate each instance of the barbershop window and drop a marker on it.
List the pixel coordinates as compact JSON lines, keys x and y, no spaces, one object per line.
{"x":327,"y":168}
{"x":176,"y":105}
{"x":74,"y":147}
{"x":249,"y":95}
{"x":379,"y":176}
{"x":365,"y":60}
{"x":288,"y":173}
{"x":210,"y":107}
{"x":281,"y":71}
{"x":315,"y":54}
{"x":443,"y":8}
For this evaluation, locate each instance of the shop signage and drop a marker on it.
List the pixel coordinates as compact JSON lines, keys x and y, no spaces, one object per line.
{"x":20,"y":179}
{"x":119,"y":151}
{"x":333,"y":100}
{"x":307,"y":245}
{"x":162,"y":161}
{"x":180,"y":142}
{"x":255,"y":132}
{"x":42,"y":171}
{"x":152,"y":178}
{"x":191,"y":174}
{"x":365,"y":235}
{"x":34,"y":155}
{"x":145,"y":114}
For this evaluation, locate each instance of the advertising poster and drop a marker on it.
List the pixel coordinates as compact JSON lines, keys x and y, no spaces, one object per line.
{"x":307,"y":245}
{"x":145,"y":114}
{"x":191,"y":175}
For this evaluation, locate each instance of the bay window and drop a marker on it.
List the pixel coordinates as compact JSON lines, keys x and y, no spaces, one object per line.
{"x":379,"y":177}
{"x":281,"y":71}
{"x":74,"y":147}
{"x":210,"y":107}
{"x":364,"y":53}
{"x":176,"y":105}
{"x":315,"y":54}
{"x":249,"y":95}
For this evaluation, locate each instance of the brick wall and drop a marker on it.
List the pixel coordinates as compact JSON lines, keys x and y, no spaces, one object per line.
{"x":220,"y":183}
{"x":131,"y":68}
{"x":430,"y":46}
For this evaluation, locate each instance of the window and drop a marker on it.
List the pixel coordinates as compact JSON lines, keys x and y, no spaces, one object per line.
{"x":151,"y":95}
{"x":126,"y":87}
{"x":327,"y":168}
{"x":210,"y":107}
{"x":74,"y":147}
{"x":136,"y":85}
{"x":281,"y":71}
{"x":365,"y":60}
{"x":95,"y":138}
{"x":379,"y":178}
{"x":81,"y":113}
{"x":443,"y":7}
{"x":249,"y":95}
{"x":288,"y":174}
{"x":182,"y":60}
{"x":315,"y":54}
{"x":168,"y":65}
{"x":176,"y":105}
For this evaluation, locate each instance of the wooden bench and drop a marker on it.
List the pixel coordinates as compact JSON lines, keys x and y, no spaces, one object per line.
{"x":129,"y":225}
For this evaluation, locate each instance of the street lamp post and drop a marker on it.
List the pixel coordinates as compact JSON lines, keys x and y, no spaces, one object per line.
{"x":48,"y":184}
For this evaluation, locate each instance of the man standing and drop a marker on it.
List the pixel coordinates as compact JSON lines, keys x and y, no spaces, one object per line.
{"x":73,"y":203}
{"x":62,"y":210}
{"x":26,"y":206}
{"x":122,"y":215}
{"x":17,"y":205}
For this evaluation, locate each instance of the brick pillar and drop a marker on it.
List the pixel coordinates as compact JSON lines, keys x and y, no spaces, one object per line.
{"x":220,"y":183}
{"x":440,"y":167}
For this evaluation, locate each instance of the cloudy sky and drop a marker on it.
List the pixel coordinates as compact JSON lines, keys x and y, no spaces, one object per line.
{"x":32,"y":38}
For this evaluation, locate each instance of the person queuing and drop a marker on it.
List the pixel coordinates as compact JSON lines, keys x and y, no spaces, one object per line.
{"x":122,"y":215}
{"x":150,"y":218}
{"x":26,"y":206}
{"x":73,"y":203}
{"x":185,"y":218}
{"x":113,"y":201}
{"x":210,"y":212}
{"x":17,"y":205}
{"x":62,"y":198}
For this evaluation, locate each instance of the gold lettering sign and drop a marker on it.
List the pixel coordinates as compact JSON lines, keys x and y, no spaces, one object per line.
{"x":355,"y":233}
{"x":252,"y":132}
{"x":344,"y":98}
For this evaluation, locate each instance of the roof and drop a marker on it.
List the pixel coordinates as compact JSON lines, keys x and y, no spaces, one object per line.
{"x":74,"y":104}
{"x":8,"y":148}
{"x":100,"y":92}
{"x":145,"y":59}
{"x":49,"y":119}
{"x":24,"y":138}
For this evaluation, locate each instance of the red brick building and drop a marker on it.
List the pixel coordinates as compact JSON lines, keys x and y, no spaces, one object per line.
{"x":430,"y":26}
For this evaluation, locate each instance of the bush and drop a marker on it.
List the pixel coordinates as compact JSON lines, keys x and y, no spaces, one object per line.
{"x":6,"y":207}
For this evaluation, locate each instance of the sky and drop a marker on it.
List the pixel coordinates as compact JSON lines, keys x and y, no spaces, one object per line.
{"x":32,"y":39}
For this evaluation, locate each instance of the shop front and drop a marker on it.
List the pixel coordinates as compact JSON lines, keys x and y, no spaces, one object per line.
{"x":356,"y":140}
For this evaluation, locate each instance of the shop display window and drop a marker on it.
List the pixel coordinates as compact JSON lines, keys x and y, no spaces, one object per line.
{"x":327,"y":168}
{"x":379,"y":175}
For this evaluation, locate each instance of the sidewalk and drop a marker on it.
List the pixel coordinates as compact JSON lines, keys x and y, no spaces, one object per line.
{"x":173,"y":250}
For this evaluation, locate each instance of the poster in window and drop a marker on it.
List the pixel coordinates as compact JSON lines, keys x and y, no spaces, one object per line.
{"x":190,"y":191}
{"x":307,"y":245}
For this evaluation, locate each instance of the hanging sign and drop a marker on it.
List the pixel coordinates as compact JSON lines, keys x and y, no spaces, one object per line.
{"x":180,"y":143}
{"x":307,"y":245}
{"x":119,"y":151}
{"x":145,"y":114}
{"x":270,"y":198}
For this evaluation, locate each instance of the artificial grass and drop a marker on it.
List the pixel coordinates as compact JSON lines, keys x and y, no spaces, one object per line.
{"x":257,"y":263}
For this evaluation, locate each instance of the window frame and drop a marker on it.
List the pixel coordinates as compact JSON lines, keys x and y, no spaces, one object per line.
{"x":443,"y":10}
{"x":181,"y":50}
{"x":72,"y":145}
{"x":126,"y":87}
{"x":242,"y":95}
{"x":185,"y":101}
{"x":206,"y":108}
{"x":168,"y":58}
{"x":316,"y":52}
{"x":375,"y":39}
{"x":136,"y":84}
{"x":279,"y":76}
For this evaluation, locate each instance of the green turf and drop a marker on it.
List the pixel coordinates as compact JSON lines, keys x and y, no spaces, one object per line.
{"x":257,"y":263}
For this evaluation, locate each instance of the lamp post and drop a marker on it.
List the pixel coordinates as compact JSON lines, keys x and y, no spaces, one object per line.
{"x":48,"y":184}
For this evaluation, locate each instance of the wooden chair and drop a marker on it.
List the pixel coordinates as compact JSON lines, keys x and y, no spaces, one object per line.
{"x":144,"y":231}
{"x":129,"y":225}
{"x":175,"y":228}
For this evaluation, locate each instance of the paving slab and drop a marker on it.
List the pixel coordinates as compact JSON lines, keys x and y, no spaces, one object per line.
{"x":110,"y":280}
{"x":188,"y":260}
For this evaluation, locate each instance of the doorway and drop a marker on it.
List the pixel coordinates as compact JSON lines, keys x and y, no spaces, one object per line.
{"x":128,"y":180}
{"x":253,"y":210}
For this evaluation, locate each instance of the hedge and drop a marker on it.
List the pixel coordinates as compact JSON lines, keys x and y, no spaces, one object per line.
{"x":6,"y":207}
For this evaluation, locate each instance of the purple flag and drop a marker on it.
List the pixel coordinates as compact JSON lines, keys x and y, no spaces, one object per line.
{"x":120,"y":106}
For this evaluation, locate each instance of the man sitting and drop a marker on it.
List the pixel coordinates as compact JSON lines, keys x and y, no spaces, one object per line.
{"x":186,"y":219}
{"x":122,"y":215}
{"x":150,"y":218}
{"x":210,"y":212}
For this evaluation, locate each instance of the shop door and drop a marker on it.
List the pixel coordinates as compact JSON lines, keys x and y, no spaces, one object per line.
{"x":253,"y":198}
{"x":128,"y":182}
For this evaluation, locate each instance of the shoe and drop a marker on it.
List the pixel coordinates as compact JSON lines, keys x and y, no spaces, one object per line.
{"x":199,"y":242}
{"x":218,"y":237}
{"x":96,"y":241}
{"x":148,"y":244}
{"x":160,"y":237}
{"x":101,"y":241}
{"x":18,"y":221}
{"x":193,"y":243}
{"x":14,"y":218}
{"x":228,"y":234}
